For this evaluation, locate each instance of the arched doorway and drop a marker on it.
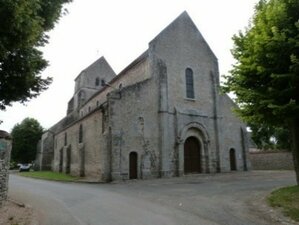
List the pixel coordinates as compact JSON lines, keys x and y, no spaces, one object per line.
{"x":232,"y":159}
{"x":68,"y":160}
{"x":192,"y":160}
{"x":133,"y":165}
{"x":60,"y":160}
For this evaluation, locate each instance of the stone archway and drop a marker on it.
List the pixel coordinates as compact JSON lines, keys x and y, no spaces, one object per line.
{"x":199,"y":132}
{"x":192,"y":156}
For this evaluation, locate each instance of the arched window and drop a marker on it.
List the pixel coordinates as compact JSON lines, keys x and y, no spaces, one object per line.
{"x":189,"y":83}
{"x":103,"y":82}
{"x":80,"y":133}
{"x":97,"y":81}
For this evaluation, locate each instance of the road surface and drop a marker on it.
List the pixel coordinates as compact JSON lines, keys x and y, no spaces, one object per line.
{"x":219,"y":199}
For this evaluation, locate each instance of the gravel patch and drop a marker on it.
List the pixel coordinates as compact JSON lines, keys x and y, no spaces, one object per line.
{"x":14,"y":213}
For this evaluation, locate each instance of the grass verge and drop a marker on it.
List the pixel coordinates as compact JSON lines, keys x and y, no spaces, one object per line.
{"x":286,"y":198}
{"x":49,"y":175}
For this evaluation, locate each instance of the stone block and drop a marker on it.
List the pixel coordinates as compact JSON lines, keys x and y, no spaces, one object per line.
{"x":5,"y":148}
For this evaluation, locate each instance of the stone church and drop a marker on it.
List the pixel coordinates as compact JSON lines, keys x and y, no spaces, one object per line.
{"x":162,"y":116}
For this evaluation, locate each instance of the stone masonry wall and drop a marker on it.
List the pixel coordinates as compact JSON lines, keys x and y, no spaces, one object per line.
{"x":5,"y":148}
{"x":271,"y":161}
{"x":131,"y":76}
{"x":85,"y":157}
{"x":180,"y":46}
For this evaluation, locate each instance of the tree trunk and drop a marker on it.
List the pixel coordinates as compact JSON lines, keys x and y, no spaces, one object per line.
{"x":294,"y":128}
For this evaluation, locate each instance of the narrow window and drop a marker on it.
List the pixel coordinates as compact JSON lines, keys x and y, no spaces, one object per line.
{"x":97,"y":81}
{"x":103,"y":82}
{"x":80,"y":133}
{"x":65,"y":139}
{"x":103,"y":120}
{"x":81,"y":98}
{"x":189,"y":83}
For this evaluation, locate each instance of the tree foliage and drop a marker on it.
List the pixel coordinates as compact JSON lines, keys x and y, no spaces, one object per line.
{"x":270,"y":137}
{"x":25,"y":138}
{"x":23,"y":28}
{"x":265,"y":77}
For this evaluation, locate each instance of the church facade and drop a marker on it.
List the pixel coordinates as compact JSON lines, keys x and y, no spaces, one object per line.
{"x":162,"y":116}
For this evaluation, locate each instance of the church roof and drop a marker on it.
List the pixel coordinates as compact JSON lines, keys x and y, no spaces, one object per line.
{"x":139,"y":59}
{"x":98,"y":62}
{"x":183,"y":20}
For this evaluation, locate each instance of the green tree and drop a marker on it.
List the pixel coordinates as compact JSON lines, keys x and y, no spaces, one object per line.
{"x":270,"y":137}
{"x":25,"y":137}
{"x":23,"y":28}
{"x":265,"y":77}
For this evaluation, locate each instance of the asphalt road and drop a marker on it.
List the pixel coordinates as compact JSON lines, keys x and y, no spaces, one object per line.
{"x":223,"y":199}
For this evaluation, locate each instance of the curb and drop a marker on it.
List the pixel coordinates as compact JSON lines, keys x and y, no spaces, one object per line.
{"x":64,"y":181}
{"x":17,"y":203}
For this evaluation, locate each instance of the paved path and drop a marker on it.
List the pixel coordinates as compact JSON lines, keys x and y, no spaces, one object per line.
{"x":222,"y":199}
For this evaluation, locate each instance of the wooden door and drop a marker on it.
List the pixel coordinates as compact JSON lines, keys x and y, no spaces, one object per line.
{"x":232,"y":158}
{"x":133,"y":162}
{"x":192,"y":163}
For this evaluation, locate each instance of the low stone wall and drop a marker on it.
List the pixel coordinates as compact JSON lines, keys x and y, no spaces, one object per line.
{"x":271,"y":160}
{"x":5,"y":148}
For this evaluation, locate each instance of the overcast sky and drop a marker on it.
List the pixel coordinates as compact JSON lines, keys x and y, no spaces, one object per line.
{"x":121,"y":30}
